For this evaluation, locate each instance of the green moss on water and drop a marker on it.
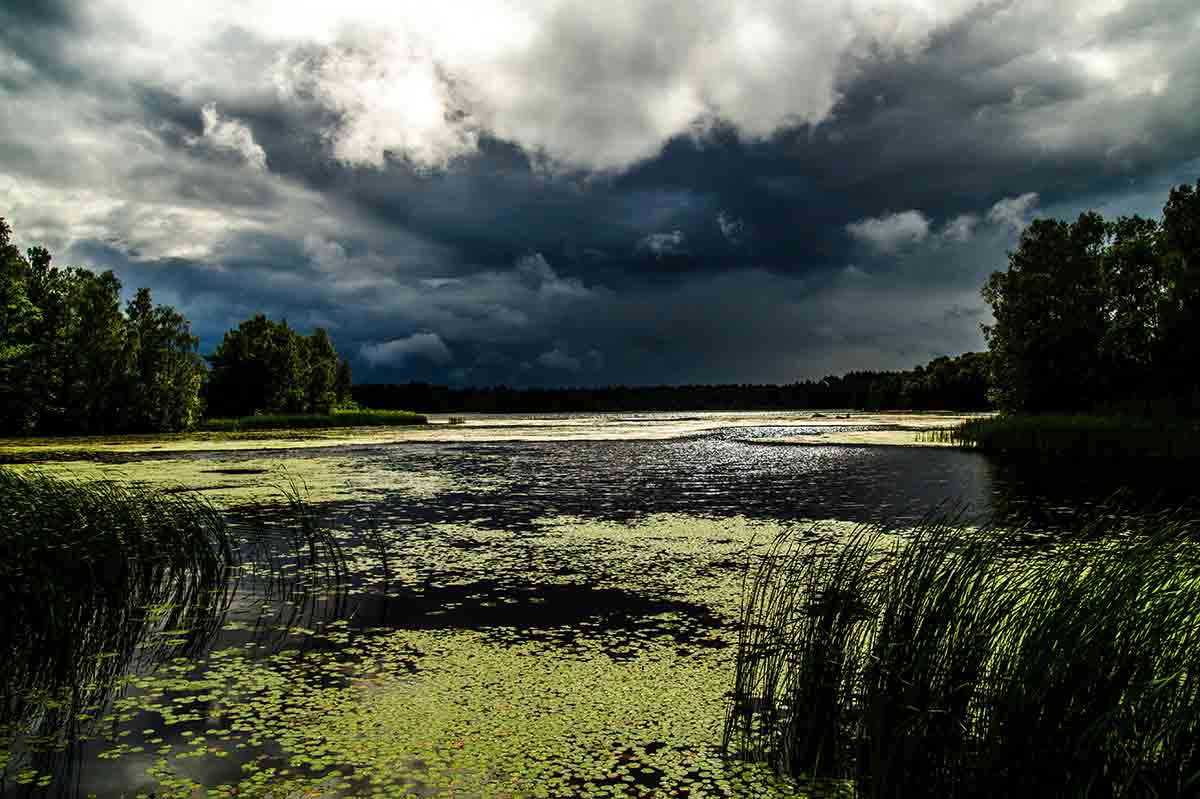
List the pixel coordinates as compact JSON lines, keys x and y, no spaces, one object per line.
{"x":580,"y":710}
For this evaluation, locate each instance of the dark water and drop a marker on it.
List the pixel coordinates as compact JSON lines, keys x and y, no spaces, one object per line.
{"x":726,"y":473}
{"x":720,"y":474}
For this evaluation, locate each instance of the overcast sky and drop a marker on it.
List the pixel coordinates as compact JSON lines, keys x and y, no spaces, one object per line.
{"x":551,"y":192}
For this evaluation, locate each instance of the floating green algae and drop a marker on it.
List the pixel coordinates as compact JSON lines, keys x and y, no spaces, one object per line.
{"x":476,"y":717}
{"x":235,"y":480}
{"x":478,"y":685}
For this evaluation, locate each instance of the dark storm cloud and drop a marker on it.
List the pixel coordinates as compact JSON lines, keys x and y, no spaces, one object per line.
{"x":659,"y":194}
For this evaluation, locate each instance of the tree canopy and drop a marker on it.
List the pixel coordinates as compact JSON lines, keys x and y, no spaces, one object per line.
{"x":264,"y":366}
{"x":945,"y":383}
{"x":72,"y":361}
{"x":1100,"y":314}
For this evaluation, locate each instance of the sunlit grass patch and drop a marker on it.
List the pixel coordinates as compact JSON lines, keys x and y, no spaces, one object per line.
{"x":341,"y":418}
{"x":233,"y":479}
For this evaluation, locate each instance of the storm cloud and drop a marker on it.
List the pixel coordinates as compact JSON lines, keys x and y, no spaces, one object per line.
{"x":583,"y":193}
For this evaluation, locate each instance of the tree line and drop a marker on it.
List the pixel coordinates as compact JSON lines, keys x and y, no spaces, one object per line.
{"x":72,"y":360}
{"x":1097,"y":315}
{"x":945,"y":383}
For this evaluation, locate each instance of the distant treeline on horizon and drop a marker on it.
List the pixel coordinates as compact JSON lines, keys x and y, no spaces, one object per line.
{"x":958,"y":383}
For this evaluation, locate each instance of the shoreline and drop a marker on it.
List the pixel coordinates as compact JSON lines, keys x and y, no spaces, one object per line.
{"x":484,"y":428}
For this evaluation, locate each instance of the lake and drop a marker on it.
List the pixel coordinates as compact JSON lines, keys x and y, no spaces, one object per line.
{"x":530,"y":605}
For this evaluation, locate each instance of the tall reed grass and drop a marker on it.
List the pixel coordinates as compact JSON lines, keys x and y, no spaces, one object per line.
{"x":89,"y":570}
{"x":1079,"y":435}
{"x":283,"y":421}
{"x":100,"y":578}
{"x":953,"y":663}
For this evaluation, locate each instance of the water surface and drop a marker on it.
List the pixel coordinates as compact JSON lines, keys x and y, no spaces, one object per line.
{"x":519,"y":616}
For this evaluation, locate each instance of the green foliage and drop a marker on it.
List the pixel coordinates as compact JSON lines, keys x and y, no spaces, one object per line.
{"x":84,"y":563}
{"x":339,"y":418}
{"x":1079,"y":435}
{"x":1100,"y":314}
{"x":963,"y":663}
{"x":265,"y":367}
{"x":72,"y":361}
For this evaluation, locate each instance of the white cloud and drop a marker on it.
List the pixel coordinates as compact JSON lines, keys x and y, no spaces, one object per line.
{"x":419,"y":345}
{"x":673,"y":243}
{"x":959,"y":228}
{"x":231,"y":134}
{"x":891,"y":232}
{"x":389,"y":98}
{"x":536,"y":270}
{"x":326,"y":255}
{"x":574,"y":82}
{"x":1013,"y":212}
{"x":558,"y":358}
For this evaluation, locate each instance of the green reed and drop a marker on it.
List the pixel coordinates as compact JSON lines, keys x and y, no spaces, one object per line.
{"x":91,"y":570}
{"x":103,"y":578}
{"x":1085,"y":435}
{"x":953,"y":662}
{"x":283,"y":421}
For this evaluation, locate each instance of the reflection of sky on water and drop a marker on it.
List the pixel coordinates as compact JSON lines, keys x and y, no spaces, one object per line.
{"x":719,"y":474}
{"x":725,"y":473}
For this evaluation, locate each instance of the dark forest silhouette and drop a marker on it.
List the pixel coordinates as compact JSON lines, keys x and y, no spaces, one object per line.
{"x":945,"y":383}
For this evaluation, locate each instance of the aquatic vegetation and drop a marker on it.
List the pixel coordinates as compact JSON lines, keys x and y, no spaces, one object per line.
{"x":96,"y":573}
{"x":965,"y":662}
{"x":478,"y":620}
{"x":1077,"y":435}
{"x":107,"y":579}
{"x":338,"y":418}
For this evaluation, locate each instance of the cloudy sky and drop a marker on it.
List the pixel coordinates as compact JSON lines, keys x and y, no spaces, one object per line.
{"x":552,"y":192}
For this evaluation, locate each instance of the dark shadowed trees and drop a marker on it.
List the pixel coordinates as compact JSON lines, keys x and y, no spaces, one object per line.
{"x":1179,"y":349}
{"x":1049,"y":313}
{"x":1100,"y":315}
{"x":165,"y":370}
{"x":72,"y":361}
{"x":263,"y":366}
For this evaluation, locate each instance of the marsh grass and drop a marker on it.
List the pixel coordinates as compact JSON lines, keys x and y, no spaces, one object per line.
{"x":97,"y":576}
{"x":346,"y":418}
{"x":954,"y":663}
{"x":103,"y":579}
{"x":1081,"y":435}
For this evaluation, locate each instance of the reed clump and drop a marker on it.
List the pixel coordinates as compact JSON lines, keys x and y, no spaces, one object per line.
{"x":1077,"y":435}
{"x":284,"y":421}
{"x":953,"y":662}
{"x":104,"y":578}
{"x":91,"y":569}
